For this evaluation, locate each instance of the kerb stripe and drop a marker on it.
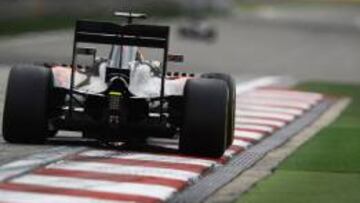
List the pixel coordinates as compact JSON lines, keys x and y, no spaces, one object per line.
{"x":31,"y":197}
{"x":133,"y":162}
{"x":258,"y":121}
{"x":126,"y":170}
{"x":168,"y":158}
{"x":75,"y":193}
{"x":110,"y":187}
{"x":111,"y":177}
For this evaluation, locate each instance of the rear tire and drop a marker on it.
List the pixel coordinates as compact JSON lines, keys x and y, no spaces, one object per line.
{"x":27,"y":105}
{"x":205,"y":118}
{"x":232,"y":102}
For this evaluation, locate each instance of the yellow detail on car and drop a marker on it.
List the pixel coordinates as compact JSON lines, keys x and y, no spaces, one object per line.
{"x":112,"y":93}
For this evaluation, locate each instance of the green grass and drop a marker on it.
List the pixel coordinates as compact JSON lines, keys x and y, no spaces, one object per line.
{"x":337,"y":147}
{"x":325,"y":169}
{"x":333,"y":150}
{"x":307,"y":187}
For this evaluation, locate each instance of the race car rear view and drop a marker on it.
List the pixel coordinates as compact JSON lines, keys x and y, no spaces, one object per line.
{"x":123,"y":98}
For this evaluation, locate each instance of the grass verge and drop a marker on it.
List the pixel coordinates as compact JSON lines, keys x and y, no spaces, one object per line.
{"x":325,"y":169}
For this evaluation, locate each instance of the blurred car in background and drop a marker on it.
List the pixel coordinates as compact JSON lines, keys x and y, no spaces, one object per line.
{"x":198,"y":29}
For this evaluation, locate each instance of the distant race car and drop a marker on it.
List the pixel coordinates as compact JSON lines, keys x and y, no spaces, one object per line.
{"x":123,"y":98}
{"x":199,"y":30}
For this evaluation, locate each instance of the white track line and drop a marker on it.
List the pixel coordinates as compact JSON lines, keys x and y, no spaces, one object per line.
{"x":148,"y":157}
{"x":251,"y":135}
{"x":272,"y":102}
{"x":27,"y":197}
{"x":154,"y":191}
{"x":254,"y":127}
{"x":281,"y":116}
{"x":284,"y":99}
{"x":283,"y":95}
{"x":291,"y":93}
{"x":229,"y":153}
{"x":258,"y":121}
{"x":126,"y":170}
{"x":250,"y":107}
{"x":241,"y":143}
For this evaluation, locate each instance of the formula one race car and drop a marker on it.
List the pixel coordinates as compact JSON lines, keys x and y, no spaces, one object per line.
{"x":198,"y":29}
{"x":123,"y":98}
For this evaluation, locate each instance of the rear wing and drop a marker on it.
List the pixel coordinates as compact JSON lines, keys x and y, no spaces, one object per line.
{"x":152,"y":36}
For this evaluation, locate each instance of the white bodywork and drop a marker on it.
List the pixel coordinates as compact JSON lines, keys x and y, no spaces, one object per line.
{"x":143,"y":83}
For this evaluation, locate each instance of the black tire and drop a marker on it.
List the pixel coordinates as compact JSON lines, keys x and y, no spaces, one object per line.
{"x":27,"y":105}
{"x":232,"y":102}
{"x":204,"y":127}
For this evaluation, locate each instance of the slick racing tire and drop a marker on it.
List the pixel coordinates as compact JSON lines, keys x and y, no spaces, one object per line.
{"x":27,"y":105}
{"x":232,"y":102}
{"x":204,"y":129}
